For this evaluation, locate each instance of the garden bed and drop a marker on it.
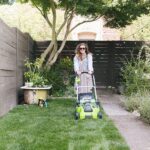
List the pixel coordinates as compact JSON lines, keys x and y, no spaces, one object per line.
{"x":31,"y":127}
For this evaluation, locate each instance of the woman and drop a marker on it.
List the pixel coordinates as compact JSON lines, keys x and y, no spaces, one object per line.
{"x":83,"y":62}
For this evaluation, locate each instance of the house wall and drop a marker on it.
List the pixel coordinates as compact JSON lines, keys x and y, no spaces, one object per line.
{"x":14,"y":47}
{"x":93,"y":31}
{"x":110,"y":34}
{"x":90,"y":27}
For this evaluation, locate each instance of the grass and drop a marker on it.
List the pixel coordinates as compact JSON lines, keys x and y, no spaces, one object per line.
{"x":29,"y":127}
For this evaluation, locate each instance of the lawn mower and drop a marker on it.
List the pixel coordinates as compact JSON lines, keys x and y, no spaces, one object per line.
{"x":87,"y":105}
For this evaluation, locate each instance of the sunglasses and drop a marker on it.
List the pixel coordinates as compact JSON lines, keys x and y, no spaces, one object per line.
{"x":82,"y":48}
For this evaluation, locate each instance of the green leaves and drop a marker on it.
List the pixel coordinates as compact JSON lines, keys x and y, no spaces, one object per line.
{"x":118,"y":13}
{"x":42,"y":5}
{"x":7,"y":1}
{"x":123,"y":13}
{"x":33,"y":73}
{"x":90,"y":8}
{"x":133,"y":74}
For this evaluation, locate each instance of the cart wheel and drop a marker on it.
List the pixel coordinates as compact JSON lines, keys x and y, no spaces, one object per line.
{"x":76,"y":116}
{"x":100,"y":116}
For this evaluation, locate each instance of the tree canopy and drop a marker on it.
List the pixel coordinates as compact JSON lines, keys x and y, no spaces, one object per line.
{"x":28,"y":19}
{"x":118,"y":13}
{"x":6,"y":1}
{"x":138,"y":30}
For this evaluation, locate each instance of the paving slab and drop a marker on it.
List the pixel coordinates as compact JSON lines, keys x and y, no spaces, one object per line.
{"x":133,"y":129}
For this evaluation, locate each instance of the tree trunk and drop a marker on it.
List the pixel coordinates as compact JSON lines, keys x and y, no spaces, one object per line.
{"x":52,"y":50}
{"x":55,"y":55}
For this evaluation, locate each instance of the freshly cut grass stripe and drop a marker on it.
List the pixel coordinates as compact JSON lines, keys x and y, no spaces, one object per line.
{"x":29,"y":127}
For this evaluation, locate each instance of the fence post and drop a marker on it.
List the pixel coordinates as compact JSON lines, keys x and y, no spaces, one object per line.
{"x":110,"y":73}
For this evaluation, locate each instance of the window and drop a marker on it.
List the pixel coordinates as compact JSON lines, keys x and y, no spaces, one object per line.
{"x":86,"y":36}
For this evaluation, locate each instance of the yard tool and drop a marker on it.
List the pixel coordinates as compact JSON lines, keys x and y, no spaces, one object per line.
{"x":87,"y":105}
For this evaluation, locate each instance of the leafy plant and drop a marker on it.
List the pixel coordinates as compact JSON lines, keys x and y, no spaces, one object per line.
{"x":33,"y":72}
{"x":133,"y":101}
{"x":144,"y":109}
{"x":139,"y":101}
{"x":134,"y":74}
{"x":136,"y":78}
{"x":60,"y":76}
{"x":138,"y":30}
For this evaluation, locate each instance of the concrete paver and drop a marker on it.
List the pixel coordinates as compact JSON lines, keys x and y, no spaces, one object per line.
{"x":135,"y":131}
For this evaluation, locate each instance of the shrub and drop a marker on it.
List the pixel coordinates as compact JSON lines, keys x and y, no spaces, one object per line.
{"x":33,"y":73}
{"x":60,"y":76}
{"x":144,"y":108}
{"x":70,"y":91}
{"x":133,"y":102}
{"x":136,"y":72}
{"x":139,"y":101}
{"x":133,"y":76}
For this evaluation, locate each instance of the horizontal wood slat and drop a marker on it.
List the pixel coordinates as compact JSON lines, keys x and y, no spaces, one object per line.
{"x":14,"y":47}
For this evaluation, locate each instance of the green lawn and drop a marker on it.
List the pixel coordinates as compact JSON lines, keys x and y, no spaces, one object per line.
{"x":29,"y":127}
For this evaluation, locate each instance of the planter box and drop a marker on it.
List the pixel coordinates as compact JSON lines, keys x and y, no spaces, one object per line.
{"x":33,"y":94}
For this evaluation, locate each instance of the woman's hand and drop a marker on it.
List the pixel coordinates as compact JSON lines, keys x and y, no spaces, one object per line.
{"x":78,"y":72}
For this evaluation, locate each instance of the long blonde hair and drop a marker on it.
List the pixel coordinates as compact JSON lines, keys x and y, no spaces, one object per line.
{"x":77,"y":50}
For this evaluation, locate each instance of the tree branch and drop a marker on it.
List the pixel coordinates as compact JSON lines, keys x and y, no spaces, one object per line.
{"x":47,"y":20}
{"x":64,"y":22}
{"x":53,"y":7}
{"x":53,"y":60}
{"x":48,"y":49}
{"x":44,"y":14}
{"x":67,"y":31}
{"x":38,"y":8}
{"x":53,"y":52}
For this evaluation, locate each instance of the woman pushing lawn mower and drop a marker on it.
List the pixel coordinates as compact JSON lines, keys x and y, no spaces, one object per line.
{"x":83,"y":63}
{"x":87,"y":104}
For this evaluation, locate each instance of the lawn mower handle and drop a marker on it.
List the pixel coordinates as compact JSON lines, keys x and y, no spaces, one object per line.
{"x":86,"y":73}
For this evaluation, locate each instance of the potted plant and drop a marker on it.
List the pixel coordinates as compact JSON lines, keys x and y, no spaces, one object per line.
{"x":33,"y":74}
{"x":36,"y":87}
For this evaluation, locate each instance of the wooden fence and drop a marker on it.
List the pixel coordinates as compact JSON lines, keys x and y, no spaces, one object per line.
{"x":108,"y":57}
{"x":14,"y":47}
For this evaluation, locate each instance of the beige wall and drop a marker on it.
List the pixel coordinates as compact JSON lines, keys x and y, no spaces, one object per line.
{"x":111,"y":34}
{"x":89,"y":27}
{"x":93,"y":31}
{"x":14,"y":47}
{"x":86,"y":36}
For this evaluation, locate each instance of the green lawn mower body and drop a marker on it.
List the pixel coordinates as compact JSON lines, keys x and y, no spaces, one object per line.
{"x":87,"y":105}
{"x":88,"y":110}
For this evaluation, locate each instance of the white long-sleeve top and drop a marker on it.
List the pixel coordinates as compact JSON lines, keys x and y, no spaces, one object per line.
{"x":84,"y":65}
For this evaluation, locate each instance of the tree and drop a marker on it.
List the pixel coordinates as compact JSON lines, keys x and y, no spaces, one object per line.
{"x":138,"y":30}
{"x":6,"y":1}
{"x":118,"y":13}
{"x":28,"y":19}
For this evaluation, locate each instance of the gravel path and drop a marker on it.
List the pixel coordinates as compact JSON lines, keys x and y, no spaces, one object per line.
{"x":135,"y":132}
